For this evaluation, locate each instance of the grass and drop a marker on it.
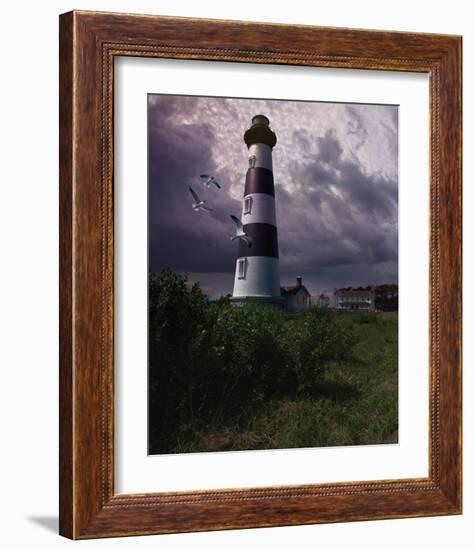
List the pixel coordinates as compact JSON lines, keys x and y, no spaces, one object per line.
{"x":355,"y":403}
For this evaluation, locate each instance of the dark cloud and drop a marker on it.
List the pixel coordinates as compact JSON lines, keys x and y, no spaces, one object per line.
{"x":335,"y":169}
{"x":329,"y":148}
{"x":355,"y":127}
{"x":339,"y":215}
{"x":179,"y":237}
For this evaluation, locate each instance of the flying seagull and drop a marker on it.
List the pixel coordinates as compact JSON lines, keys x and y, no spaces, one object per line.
{"x":208,"y":180}
{"x":198,"y":204}
{"x":240,"y":233}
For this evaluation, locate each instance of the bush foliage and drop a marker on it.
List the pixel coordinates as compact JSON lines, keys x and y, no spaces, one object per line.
{"x":211,"y":364}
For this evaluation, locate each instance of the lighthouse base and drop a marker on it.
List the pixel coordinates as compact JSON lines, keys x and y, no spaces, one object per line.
{"x":256,"y":276}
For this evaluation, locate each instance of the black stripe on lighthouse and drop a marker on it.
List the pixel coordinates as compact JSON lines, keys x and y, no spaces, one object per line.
{"x":264,"y":241}
{"x":259,"y":180}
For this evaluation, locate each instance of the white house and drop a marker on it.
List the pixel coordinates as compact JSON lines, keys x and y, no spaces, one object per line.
{"x":297,"y":297}
{"x":354,"y":300}
{"x":322,"y":300}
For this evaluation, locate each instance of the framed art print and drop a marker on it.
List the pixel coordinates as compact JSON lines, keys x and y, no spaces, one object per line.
{"x":260,"y":275}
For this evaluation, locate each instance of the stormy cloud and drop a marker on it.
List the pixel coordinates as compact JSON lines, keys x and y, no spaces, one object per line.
{"x":336,"y":188}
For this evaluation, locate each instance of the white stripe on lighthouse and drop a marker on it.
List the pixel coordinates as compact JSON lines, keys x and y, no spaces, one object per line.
{"x":258,"y":208}
{"x":261,"y":277}
{"x":262,"y":155}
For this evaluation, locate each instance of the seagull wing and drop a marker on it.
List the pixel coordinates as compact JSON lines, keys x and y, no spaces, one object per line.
{"x":218,"y":185}
{"x":238,"y":223}
{"x":206,"y":208}
{"x":195,"y":197}
{"x":204,"y":176}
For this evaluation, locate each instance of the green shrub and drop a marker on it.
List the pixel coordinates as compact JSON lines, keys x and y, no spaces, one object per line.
{"x":240,"y":355}
{"x":177,"y":312}
{"x":212,"y":364}
{"x":365,"y":319}
{"x":314,"y":339}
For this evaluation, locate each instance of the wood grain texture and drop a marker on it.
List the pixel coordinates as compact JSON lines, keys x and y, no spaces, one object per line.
{"x":89,"y":43}
{"x":66,"y":400}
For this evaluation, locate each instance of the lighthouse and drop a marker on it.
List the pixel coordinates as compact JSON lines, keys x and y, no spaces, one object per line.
{"x":257,"y":274}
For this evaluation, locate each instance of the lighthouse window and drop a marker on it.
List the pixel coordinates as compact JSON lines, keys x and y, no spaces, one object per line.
{"x":241,"y":268}
{"x":247,"y":205}
{"x":252,"y":161}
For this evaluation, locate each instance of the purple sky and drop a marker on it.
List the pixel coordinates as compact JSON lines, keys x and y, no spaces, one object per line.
{"x":336,"y":189}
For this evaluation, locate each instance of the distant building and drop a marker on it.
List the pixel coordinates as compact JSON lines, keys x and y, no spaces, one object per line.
{"x":322,"y":300}
{"x":297,"y":297}
{"x":352,"y":299}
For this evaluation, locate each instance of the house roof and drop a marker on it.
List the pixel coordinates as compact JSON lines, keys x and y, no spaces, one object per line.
{"x":290,"y":290}
{"x":354,"y":293}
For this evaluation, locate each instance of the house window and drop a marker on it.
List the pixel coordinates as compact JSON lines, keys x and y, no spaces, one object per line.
{"x":247,"y":205}
{"x":252,"y":161}
{"x":241,"y":268}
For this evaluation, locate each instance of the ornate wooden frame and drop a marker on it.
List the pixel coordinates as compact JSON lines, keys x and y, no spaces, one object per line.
{"x":89,"y":43}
